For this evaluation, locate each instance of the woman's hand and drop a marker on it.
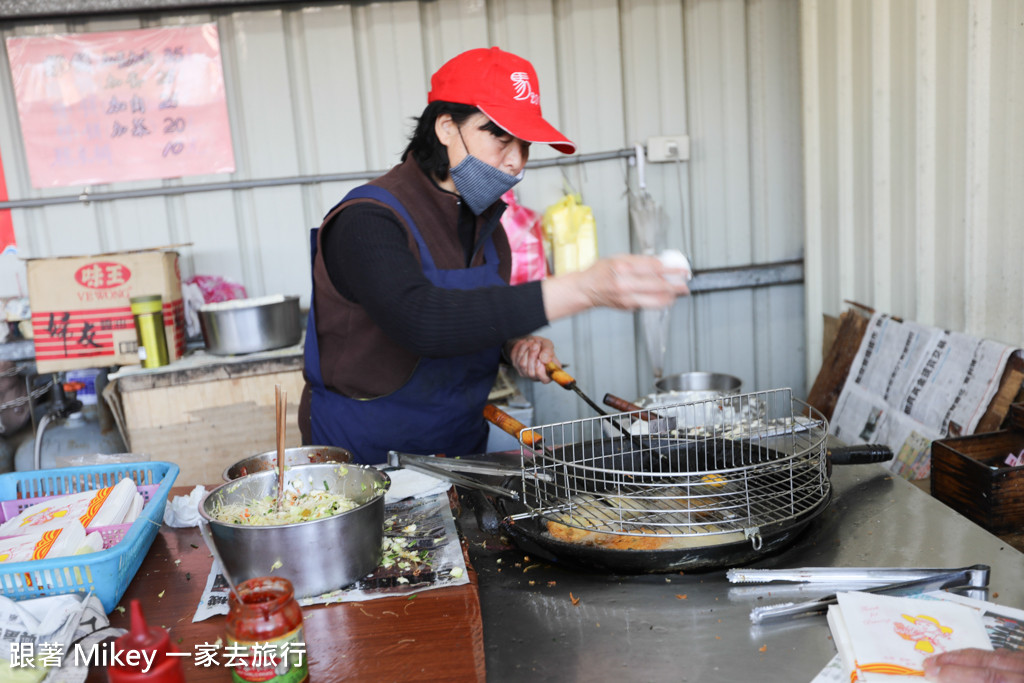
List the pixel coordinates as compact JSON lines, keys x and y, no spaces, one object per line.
{"x":625,"y":282}
{"x":976,"y":666}
{"x":528,"y":356}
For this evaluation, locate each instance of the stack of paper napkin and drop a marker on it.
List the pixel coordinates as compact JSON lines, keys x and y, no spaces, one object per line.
{"x":42,"y":543}
{"x":883,"y":638}
{"x":119,"y":504}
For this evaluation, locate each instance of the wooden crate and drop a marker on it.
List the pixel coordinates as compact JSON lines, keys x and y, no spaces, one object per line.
{"x":208,"y":413}
{"x":969,"y":475}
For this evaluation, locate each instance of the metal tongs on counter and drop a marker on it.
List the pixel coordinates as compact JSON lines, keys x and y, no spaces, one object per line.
{"x":884,"y":580}
{"x":453,"y":469}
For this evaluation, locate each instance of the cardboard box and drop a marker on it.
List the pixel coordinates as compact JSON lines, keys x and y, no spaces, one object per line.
{"x":205,"y":413}
{"x":81,"y":311}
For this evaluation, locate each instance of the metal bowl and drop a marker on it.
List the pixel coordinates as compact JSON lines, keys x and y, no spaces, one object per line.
{"x":698,"y":386}
{"x":688,"y":388}
{"x":249,"y":325}
{"x":317,"y":556}
{"x":303,"y":455}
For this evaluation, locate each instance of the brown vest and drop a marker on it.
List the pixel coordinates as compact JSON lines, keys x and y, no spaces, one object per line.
{"x":357,"y":359}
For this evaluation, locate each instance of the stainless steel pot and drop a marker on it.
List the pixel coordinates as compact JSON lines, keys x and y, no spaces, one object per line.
{"x":303,"y":455}
{"x":317,"y":556}
{"x":249,"y":325}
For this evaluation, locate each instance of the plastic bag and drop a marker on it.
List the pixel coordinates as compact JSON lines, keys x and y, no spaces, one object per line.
{"x":522,"y":226}
{"x":216,"y":288}
{"x":571,"y":234}
{"x":206,"y":289}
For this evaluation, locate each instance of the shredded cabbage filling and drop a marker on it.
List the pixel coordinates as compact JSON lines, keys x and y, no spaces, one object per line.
{"x":296,"y":507}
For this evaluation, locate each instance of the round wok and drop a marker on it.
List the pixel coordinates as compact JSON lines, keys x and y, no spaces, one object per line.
{"x":601,"y":465}
{"x":707,"y":552}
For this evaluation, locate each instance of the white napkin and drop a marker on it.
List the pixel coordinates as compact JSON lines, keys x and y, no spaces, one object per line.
{"x":410,"y":484}
{"x":183,"y":511}
{"x":93,"y":543}
{"x":138,"y":502}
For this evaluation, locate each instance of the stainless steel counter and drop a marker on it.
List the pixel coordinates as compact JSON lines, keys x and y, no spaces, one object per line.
{"x":696,"y":627}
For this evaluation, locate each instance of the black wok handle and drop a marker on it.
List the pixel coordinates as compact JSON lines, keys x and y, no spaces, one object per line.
{"x":859,"y":455}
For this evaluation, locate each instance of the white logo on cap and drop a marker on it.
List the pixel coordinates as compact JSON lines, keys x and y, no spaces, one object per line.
{"x":521,"y":81}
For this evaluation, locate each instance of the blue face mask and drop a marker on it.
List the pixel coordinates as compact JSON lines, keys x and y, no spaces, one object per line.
{"x":479,"y":183}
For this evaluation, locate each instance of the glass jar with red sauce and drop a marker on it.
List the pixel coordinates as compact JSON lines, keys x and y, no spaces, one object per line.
{"x":265,"y":641}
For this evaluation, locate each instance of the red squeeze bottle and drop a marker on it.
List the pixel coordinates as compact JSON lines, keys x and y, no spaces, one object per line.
{"x":141,"y":654}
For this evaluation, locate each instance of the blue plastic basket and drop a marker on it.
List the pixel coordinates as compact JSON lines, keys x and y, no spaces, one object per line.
{"x":106,"y":573}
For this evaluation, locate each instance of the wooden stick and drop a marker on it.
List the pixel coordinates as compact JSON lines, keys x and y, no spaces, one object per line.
{"x":281,"y":412}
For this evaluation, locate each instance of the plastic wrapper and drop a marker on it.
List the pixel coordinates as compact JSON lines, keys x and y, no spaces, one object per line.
{"x":206,"y":289}
{"x":571,"y":234}
{"x":526,"y":238}
{"x":216,"y":288}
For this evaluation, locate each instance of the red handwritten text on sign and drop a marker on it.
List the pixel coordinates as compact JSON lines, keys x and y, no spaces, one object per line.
{"x":102,"y":275}
{"x":121,"y":105}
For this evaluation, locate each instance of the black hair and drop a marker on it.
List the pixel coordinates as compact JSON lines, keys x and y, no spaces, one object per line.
{"x":424,"y":146}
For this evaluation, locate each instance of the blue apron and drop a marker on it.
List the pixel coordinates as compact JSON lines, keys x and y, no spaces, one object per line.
{"x":440,"y":408}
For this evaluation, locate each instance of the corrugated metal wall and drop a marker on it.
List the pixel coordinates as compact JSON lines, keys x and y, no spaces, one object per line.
{"x":914,"y":162}
{"x":331,"y":88}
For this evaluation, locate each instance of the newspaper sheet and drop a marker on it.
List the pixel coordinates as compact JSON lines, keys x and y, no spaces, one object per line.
{"x":52,"y":639}
{"x":909,"y":381}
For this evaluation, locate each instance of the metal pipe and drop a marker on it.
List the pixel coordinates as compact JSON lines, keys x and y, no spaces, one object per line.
{"x":748,"y":277}
{"x":85,"y":197}
{"x":38,"y":446}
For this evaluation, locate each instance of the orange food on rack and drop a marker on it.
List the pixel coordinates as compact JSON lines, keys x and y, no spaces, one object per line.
{"x":568,"y":534}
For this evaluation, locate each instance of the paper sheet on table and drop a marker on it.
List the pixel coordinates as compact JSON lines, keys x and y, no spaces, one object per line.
{"x":1004,"y":625}
{"x":434,"y":533}
{"x":410,"y":484}
{"x":909,"y":381}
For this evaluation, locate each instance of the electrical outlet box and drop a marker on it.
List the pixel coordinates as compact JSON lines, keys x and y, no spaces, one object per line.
{"x":671,"y":148}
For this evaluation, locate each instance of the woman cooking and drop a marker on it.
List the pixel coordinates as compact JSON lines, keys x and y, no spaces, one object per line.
{"x":411,"y":311}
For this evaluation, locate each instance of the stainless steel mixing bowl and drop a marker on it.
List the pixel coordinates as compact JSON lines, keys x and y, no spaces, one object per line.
{"x":303,"y":455}
{"x":699,"y":386}
{"x":249,"y":325}
{"x":317,"y":556}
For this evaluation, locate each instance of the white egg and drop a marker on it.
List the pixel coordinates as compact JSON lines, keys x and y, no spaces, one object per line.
{"x":673,"y":258}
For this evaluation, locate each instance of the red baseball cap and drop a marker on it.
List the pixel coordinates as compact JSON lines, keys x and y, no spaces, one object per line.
{"x":502,"y":86}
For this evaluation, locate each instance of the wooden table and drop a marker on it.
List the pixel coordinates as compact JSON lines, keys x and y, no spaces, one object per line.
{"x":438,"y":635}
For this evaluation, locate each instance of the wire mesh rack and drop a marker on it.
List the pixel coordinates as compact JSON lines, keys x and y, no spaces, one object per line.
{"x":717,"y":470}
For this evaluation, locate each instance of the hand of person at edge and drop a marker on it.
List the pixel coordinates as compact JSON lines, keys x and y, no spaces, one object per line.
{"x":976,"y":666}
{"x":626,"y":282}
{"x":529,"y":354}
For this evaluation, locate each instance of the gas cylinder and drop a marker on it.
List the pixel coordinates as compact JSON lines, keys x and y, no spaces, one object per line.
{"x":77,"y":434}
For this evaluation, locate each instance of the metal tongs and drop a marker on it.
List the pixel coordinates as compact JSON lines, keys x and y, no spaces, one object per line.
{"x":452,"y":469}
{"x":883,"y":580}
